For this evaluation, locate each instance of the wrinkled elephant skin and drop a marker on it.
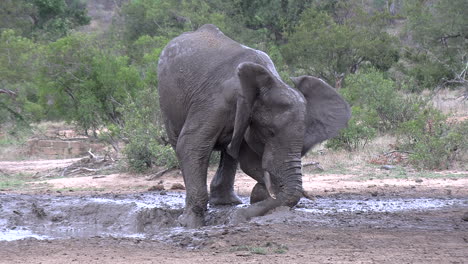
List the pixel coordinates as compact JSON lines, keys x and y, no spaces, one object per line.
{"x":216,"y":94}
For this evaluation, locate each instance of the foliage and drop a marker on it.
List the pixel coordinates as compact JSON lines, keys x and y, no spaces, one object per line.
{"x":324,"y":47}
{"x":44,"y":20}
{"x":438,"y":32}
{"x":373,"y":92}
{"x":87,"y":84}
{"x":376,"y":106}
{"x":17,"y":15}
{"x":359,"y":132}
{"x":279,"y":17}
{"x":145,"y":134}
{"x":19,"y":61}
{"x":434,"y":143}
{"x":167,"y":18}
{"x":143,"y":125}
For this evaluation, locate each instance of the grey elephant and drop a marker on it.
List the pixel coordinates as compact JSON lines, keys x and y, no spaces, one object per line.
{"x":216,"y":94}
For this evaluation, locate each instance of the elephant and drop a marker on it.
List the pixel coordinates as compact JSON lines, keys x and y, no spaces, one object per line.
{"x":218,"y":95}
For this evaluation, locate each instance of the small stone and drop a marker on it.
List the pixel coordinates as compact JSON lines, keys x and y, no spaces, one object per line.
{"x":387,"y":167}
{"x":158,"y":187}
{"x":177,"y":186}
{"x":465,"y":217}
{"x":163,"y":192}
{"x":219,"y":245}
{"x":418,"y":180}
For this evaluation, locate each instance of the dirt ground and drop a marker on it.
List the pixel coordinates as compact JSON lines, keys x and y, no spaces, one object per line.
{"x":438,"y":235}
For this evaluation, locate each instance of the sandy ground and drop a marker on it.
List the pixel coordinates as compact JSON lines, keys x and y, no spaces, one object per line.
{"x":433,"y":236}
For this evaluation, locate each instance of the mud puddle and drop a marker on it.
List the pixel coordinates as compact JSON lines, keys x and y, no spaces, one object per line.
{"x":154,"y":216}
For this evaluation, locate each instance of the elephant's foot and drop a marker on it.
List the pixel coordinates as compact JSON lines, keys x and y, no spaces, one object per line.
{"x":190,"y":219}
{"x":259,"y":193}
{"x":224,"y":198}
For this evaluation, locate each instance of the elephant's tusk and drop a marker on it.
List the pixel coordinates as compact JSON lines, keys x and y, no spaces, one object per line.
{"x":267,"y":180}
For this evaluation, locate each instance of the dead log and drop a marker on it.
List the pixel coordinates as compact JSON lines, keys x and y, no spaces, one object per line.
{"x":159,"y":174}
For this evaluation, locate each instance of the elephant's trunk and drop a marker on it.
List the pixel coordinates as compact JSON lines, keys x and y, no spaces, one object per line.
{"x":289,"y":190}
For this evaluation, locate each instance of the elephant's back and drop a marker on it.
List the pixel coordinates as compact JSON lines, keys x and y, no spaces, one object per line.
{"x":191,"y":70}
{"x":197,"y":72}
{"x":198,"y":53}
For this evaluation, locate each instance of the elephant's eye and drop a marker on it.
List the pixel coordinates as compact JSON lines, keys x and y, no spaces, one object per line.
{"x":271,"y":132}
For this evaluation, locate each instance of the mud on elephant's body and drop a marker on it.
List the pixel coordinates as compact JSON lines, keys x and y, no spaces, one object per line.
{"x":217,"y":94}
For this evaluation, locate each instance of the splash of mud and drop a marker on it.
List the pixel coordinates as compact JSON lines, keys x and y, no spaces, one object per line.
{"x":154,"y":216}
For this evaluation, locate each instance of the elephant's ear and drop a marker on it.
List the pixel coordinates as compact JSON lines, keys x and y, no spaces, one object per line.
{"x":254,"y":79}
{"x":327,"y":111}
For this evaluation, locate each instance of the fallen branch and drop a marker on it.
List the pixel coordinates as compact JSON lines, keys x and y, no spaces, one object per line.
{"x":91,"y":155}
{"x":9,"y":92}
{"x":89,"y":170}
{"x":397,"y":151}
{"x":159,"y":174}
{"x":63,"y":172}
{"x":108,"y":157}
{"x":313,"y":163}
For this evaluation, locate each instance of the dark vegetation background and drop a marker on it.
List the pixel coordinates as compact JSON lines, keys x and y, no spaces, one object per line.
{"x":56,"y":63}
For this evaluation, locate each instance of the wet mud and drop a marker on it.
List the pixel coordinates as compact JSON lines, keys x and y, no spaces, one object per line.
{"x":153,"y":216}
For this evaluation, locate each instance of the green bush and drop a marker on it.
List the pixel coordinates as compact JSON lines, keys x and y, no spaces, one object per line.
{"x":424,"y":72}
{"x":372,"y":91}
{"x":359,"y":132}
{"x":433,"y":142}
{"x":145,"y":135}
{"x":376,"y":107}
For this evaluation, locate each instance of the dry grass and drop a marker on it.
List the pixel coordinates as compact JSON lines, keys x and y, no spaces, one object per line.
{"x":447,"y":101}
{"x":450,"y":102}
{"x":342,"y":159}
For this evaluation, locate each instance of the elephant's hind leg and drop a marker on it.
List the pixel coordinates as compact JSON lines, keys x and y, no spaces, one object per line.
{"x":222,"y":185}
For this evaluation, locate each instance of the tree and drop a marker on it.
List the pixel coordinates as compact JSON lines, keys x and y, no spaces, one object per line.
{"x":18,"y":16}
{"x":167,"y":18}
{"x":19,"y":63}
{"x":279,"y":17}
{"x":43,"y":19}
{"x":86,"y":82}
{"x":320,"y":46}
{"x":437,"y":32}
{"x":56,"y":18}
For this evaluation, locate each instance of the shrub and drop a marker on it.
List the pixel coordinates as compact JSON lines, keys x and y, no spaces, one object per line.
{"x":146,"y":145}
{"x":372,"y":91}
{"x":433,"y":142}
{"x":359,"y":132}
{"x":376,"y":106}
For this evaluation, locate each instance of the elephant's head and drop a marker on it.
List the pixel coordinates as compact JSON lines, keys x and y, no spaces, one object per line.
{"x":280,"y":124}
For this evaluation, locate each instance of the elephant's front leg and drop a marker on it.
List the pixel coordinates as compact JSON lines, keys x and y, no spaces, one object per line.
{"x":222,"y":185}
{"x":193,"y":153}
{"x":251,"y":164}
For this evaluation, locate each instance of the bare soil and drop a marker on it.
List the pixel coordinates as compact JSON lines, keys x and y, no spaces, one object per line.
{"x":425,"y":235}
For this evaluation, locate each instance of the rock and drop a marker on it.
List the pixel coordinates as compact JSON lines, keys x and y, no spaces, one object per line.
{"x":387,"y":167}
{"x":418,"y":180}
{"x":465,"y":217}
{"x":177,"y":186}
{"x":219,"y":245}
{"x":158,"y":187}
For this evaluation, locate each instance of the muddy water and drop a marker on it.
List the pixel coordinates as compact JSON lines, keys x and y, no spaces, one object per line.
{"x":154,"y":216}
